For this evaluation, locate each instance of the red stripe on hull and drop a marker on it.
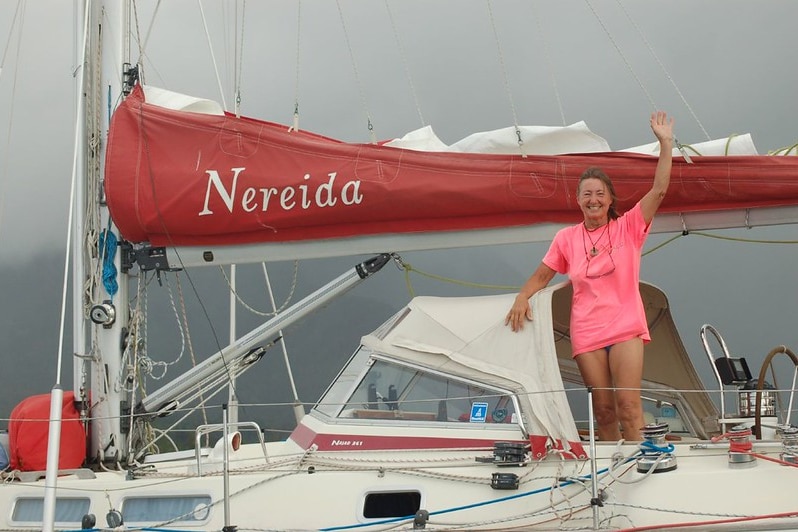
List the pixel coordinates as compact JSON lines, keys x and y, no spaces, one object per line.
{"x":306,"y":437}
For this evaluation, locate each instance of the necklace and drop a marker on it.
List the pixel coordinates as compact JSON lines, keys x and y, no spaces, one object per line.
{"x":593,"y":250}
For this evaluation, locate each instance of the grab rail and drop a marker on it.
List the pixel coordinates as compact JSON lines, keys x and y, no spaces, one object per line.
{"x":760,"y":387}
{"x":703,"y":332}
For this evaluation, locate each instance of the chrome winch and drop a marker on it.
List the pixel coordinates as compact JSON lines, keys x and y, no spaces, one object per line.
{"x":657,"y":453}
{"x":740,"y":447}
{"x":789,"y":443}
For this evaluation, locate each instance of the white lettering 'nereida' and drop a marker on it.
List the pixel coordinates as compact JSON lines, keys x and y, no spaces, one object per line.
{"x":288,"y":198}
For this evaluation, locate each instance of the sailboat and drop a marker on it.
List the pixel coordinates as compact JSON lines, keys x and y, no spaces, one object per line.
{"x":441,"y":418}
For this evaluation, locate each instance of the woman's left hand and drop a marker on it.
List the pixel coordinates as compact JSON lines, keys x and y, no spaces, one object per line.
{"x":662,"y":126}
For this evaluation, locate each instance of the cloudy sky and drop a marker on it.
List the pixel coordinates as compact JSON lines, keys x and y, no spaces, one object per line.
{"x":720,"y":67}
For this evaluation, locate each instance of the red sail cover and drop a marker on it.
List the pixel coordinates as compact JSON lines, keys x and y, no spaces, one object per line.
{"x":182,"y":178}
{"x":28,"y":431}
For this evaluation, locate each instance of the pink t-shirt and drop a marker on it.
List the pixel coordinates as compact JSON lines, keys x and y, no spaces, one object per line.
{"x":607,"y":307}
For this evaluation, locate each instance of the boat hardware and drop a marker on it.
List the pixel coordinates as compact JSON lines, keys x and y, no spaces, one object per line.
{"x":760,"y":394}
{"x":216,"y":368}
{"x":657,"y":452}
{"x":789,"y":444}
{"x":420,"y":520}
{"x":103,"y":314}
{"x":504,"y":481}
{"x":740,"y":447}
{"x":507,"y":453}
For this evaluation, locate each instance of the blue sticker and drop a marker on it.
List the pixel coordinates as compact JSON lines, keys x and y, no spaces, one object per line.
{"x":668,"y":411}
{"x":479,"y":412}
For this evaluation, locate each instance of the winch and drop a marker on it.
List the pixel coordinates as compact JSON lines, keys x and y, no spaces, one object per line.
{"x":740,"y":447}
{"x":789,"y":443}
{"x":657,"y":452}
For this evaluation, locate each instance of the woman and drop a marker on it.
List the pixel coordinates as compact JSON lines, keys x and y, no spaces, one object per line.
{"x":601,"y":256}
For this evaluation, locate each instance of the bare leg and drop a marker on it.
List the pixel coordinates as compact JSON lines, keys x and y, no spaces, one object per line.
{"x":595,"y":369}
{"x":626,"y":368}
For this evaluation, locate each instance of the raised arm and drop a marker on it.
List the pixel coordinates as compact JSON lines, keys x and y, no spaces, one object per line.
{"x":520,"y":310}
{"x":662,"y":126}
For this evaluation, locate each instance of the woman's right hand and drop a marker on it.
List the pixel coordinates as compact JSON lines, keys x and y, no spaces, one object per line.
{"x":519,"y":312}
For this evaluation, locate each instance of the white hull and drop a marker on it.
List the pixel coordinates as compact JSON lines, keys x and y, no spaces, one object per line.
{"x":281,"y":494}
{"x":384,"y":448}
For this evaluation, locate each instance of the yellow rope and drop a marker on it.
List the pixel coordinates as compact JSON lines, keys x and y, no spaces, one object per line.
{"x":655,"y":248}
{"x":748,"y":240}
{"x":786,"y":150}
{"x":408,"y":268}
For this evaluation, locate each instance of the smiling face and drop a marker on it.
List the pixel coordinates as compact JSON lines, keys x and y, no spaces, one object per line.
{"x":595,"y":200}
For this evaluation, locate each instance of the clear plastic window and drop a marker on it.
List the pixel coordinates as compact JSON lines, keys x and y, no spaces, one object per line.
{"x":68,"y":510}
{"x":397,"y":392}
{"x":165,"y":508}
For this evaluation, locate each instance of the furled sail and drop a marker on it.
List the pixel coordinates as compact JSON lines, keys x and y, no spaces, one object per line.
{"x":187,"y":178}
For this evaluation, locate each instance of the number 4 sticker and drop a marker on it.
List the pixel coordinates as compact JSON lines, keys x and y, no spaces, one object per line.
{"x":479,"y":412}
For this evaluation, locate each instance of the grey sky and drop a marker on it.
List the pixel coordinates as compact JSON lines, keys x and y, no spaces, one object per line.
{"x":720,"y":66}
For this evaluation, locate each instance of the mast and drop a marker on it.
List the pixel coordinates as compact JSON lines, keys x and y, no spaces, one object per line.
{"x":101,"y":317}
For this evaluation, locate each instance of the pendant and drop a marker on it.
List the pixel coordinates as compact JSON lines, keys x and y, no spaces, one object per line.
{"x":593,"y":252}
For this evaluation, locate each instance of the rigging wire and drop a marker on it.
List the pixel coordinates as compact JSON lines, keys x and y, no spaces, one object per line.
{"x":20,"y":10}
{"x":357,"y":75}
{"x":640,"y":83}
{"x":20,"y":4}
{"x":664,"y":70}
{"x":505,"y":78}
{"x":547,"y":57}
{"x":410,"y":269}
{"x":213,"y":56}
{"x":295,"y":126}
{"x":239,"y":52}
{"x":622,"y":55}
{"x":403,"y":57}
{"x":143,"y":46}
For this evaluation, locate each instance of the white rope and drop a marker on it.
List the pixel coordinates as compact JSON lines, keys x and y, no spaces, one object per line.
{"x":258,"y":312}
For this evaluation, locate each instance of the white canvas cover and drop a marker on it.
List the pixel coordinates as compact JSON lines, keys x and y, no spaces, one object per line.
{"x":467,"y":337}
{"x":181,"y":102}
{"x":733,"y":145}
{"x":536,"y":140}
